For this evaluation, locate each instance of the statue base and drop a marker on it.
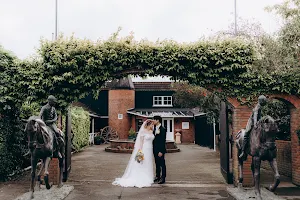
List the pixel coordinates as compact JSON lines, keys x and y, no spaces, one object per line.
{"x":249,"y":193}
{"x":54,"y":193}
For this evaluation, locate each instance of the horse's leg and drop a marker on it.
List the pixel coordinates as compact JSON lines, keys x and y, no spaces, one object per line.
{"x":241,"y":179}
{"x":39,"y":174}
{"x":46,"y":173}
{"x":252,"y":170}
{"x":61,"y":165}
{"x":273,"y":164}
{"x":257,"y":162}
{"x":33,"y":169}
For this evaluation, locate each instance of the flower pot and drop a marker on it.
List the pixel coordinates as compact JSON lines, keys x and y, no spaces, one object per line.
{"x":97,"y":140}
{"x":131,"y":137}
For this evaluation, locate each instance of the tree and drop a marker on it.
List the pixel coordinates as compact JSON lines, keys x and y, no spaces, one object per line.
{"x":193,"y":96}
{"x":12,"y":145}
{"x":289,"y":34}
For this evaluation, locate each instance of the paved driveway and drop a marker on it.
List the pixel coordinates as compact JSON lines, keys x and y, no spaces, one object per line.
{"x":193,"y":173}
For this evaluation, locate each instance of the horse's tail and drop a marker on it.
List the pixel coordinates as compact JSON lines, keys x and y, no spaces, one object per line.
{"x":238,"y":138}
{"x":238,"y":135}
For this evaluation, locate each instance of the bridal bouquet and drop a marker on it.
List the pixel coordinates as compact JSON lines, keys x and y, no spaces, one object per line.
{"x":139,"y":157}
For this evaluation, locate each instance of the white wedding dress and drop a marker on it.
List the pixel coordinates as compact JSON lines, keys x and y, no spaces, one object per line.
{"x":139,"y":174}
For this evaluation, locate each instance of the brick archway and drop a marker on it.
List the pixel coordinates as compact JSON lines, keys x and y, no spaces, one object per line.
{"x":241,"y":114}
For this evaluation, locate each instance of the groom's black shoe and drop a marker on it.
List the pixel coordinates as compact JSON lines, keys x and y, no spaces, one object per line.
{"x":162,"y":181}
{"x":156,"y":180}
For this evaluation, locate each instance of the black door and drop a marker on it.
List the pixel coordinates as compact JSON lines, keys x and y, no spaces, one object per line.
{"x":204,"y":132}
{"x":224,"y":143}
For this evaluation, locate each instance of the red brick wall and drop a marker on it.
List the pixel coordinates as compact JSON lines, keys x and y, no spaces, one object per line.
{"x":187,"y":135}
{"x":295,"y":146}
{"x":240,"y":118}
{"x":284,"y":158}
{"x":53,"y":171}
{"x":295,"y":125}
{"x":119,"y":102}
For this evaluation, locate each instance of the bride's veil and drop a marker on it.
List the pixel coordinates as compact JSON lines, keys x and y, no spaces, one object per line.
{"x":135,"y":150}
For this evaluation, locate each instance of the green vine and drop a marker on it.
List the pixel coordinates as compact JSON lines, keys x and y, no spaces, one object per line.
{"x":228,"y":66}
{"x":80,"y":127}
{"x":66,"y":65}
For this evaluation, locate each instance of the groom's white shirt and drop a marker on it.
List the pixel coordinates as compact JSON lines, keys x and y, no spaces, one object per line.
{"x":157,"y":128}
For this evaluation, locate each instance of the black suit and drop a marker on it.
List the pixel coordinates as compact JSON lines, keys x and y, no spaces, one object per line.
{"x":159,"y":145}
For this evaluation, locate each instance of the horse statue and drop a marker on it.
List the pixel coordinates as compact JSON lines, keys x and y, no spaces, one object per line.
{"x":261,"y":147}
{"x":43,"y":145}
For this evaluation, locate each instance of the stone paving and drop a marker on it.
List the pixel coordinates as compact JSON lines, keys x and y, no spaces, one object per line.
{"x":193,"y":173}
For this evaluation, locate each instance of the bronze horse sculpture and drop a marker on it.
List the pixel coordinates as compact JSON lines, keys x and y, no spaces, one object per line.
{"x":42,"y":145}
{"x":261,"y":147}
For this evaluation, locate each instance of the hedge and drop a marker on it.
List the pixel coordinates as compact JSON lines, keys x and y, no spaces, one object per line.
{"x":80,"y":127}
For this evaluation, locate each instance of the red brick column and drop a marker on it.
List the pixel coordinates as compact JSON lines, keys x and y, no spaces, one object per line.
{"x":133,"y":124}
{"x":295,"y":146}
{"x":53,"y":171}
{"x":59,"y":122}
{"x":240,"y":118}
{"x":119,"y":102}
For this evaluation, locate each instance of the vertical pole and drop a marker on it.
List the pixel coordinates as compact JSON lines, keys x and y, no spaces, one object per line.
{"x":214,"y":135}
{"x":93,"y":125}
{"x":55,"y":19}
{"x":235,"y":19}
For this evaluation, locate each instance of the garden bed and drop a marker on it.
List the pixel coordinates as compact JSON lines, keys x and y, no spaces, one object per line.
{"x":126,"y":146}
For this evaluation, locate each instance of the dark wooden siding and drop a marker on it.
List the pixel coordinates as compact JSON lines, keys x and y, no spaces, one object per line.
{"x":144,"y":99}
{"x":99,"y":105}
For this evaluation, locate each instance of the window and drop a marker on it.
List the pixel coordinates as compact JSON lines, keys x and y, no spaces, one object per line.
{"x":162,"y":101}
{"x":120,"y":116}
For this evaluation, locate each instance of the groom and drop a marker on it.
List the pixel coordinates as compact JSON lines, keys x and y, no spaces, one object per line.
{"x":159,"y":150}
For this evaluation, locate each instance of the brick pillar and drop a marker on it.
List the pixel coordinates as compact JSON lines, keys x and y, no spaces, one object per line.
{"x":119,"y":102}
{"x":240,"y":118}
{"x":295,"y":146}
{"x":59,"y":122}
{"x":53,"y":171}
{"x":133,"y":124}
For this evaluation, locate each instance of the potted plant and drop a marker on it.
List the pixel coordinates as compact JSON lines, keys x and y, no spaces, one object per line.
{"x":98,"y":140}
{"x":132,"y":134}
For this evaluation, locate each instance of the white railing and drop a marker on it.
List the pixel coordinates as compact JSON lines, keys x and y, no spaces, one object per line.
{"x":91,"y":138}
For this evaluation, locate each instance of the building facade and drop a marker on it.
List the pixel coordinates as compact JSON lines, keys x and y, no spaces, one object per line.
{"x":124,"y":105}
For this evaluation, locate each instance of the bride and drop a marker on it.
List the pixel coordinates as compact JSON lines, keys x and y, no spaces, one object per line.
{"x":140,"y":174}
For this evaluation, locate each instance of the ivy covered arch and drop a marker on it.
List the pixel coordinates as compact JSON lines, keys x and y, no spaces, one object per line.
{"x":70,"y":68}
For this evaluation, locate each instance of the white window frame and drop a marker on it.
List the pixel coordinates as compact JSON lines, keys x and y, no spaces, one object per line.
{"x":120,"y":116}
{"x":162,"y":101}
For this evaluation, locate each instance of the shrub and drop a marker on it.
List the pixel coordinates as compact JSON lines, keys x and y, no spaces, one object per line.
{"x":12,"y":146}
{"x":12,"y":138}
{"x":279,"y":110}
{"x":80,"y":127}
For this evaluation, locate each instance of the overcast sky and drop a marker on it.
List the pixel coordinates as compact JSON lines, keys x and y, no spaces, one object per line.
{"x":24,"y":22}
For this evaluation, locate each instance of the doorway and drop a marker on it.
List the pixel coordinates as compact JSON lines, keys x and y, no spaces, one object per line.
{"x":168,"y":123}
